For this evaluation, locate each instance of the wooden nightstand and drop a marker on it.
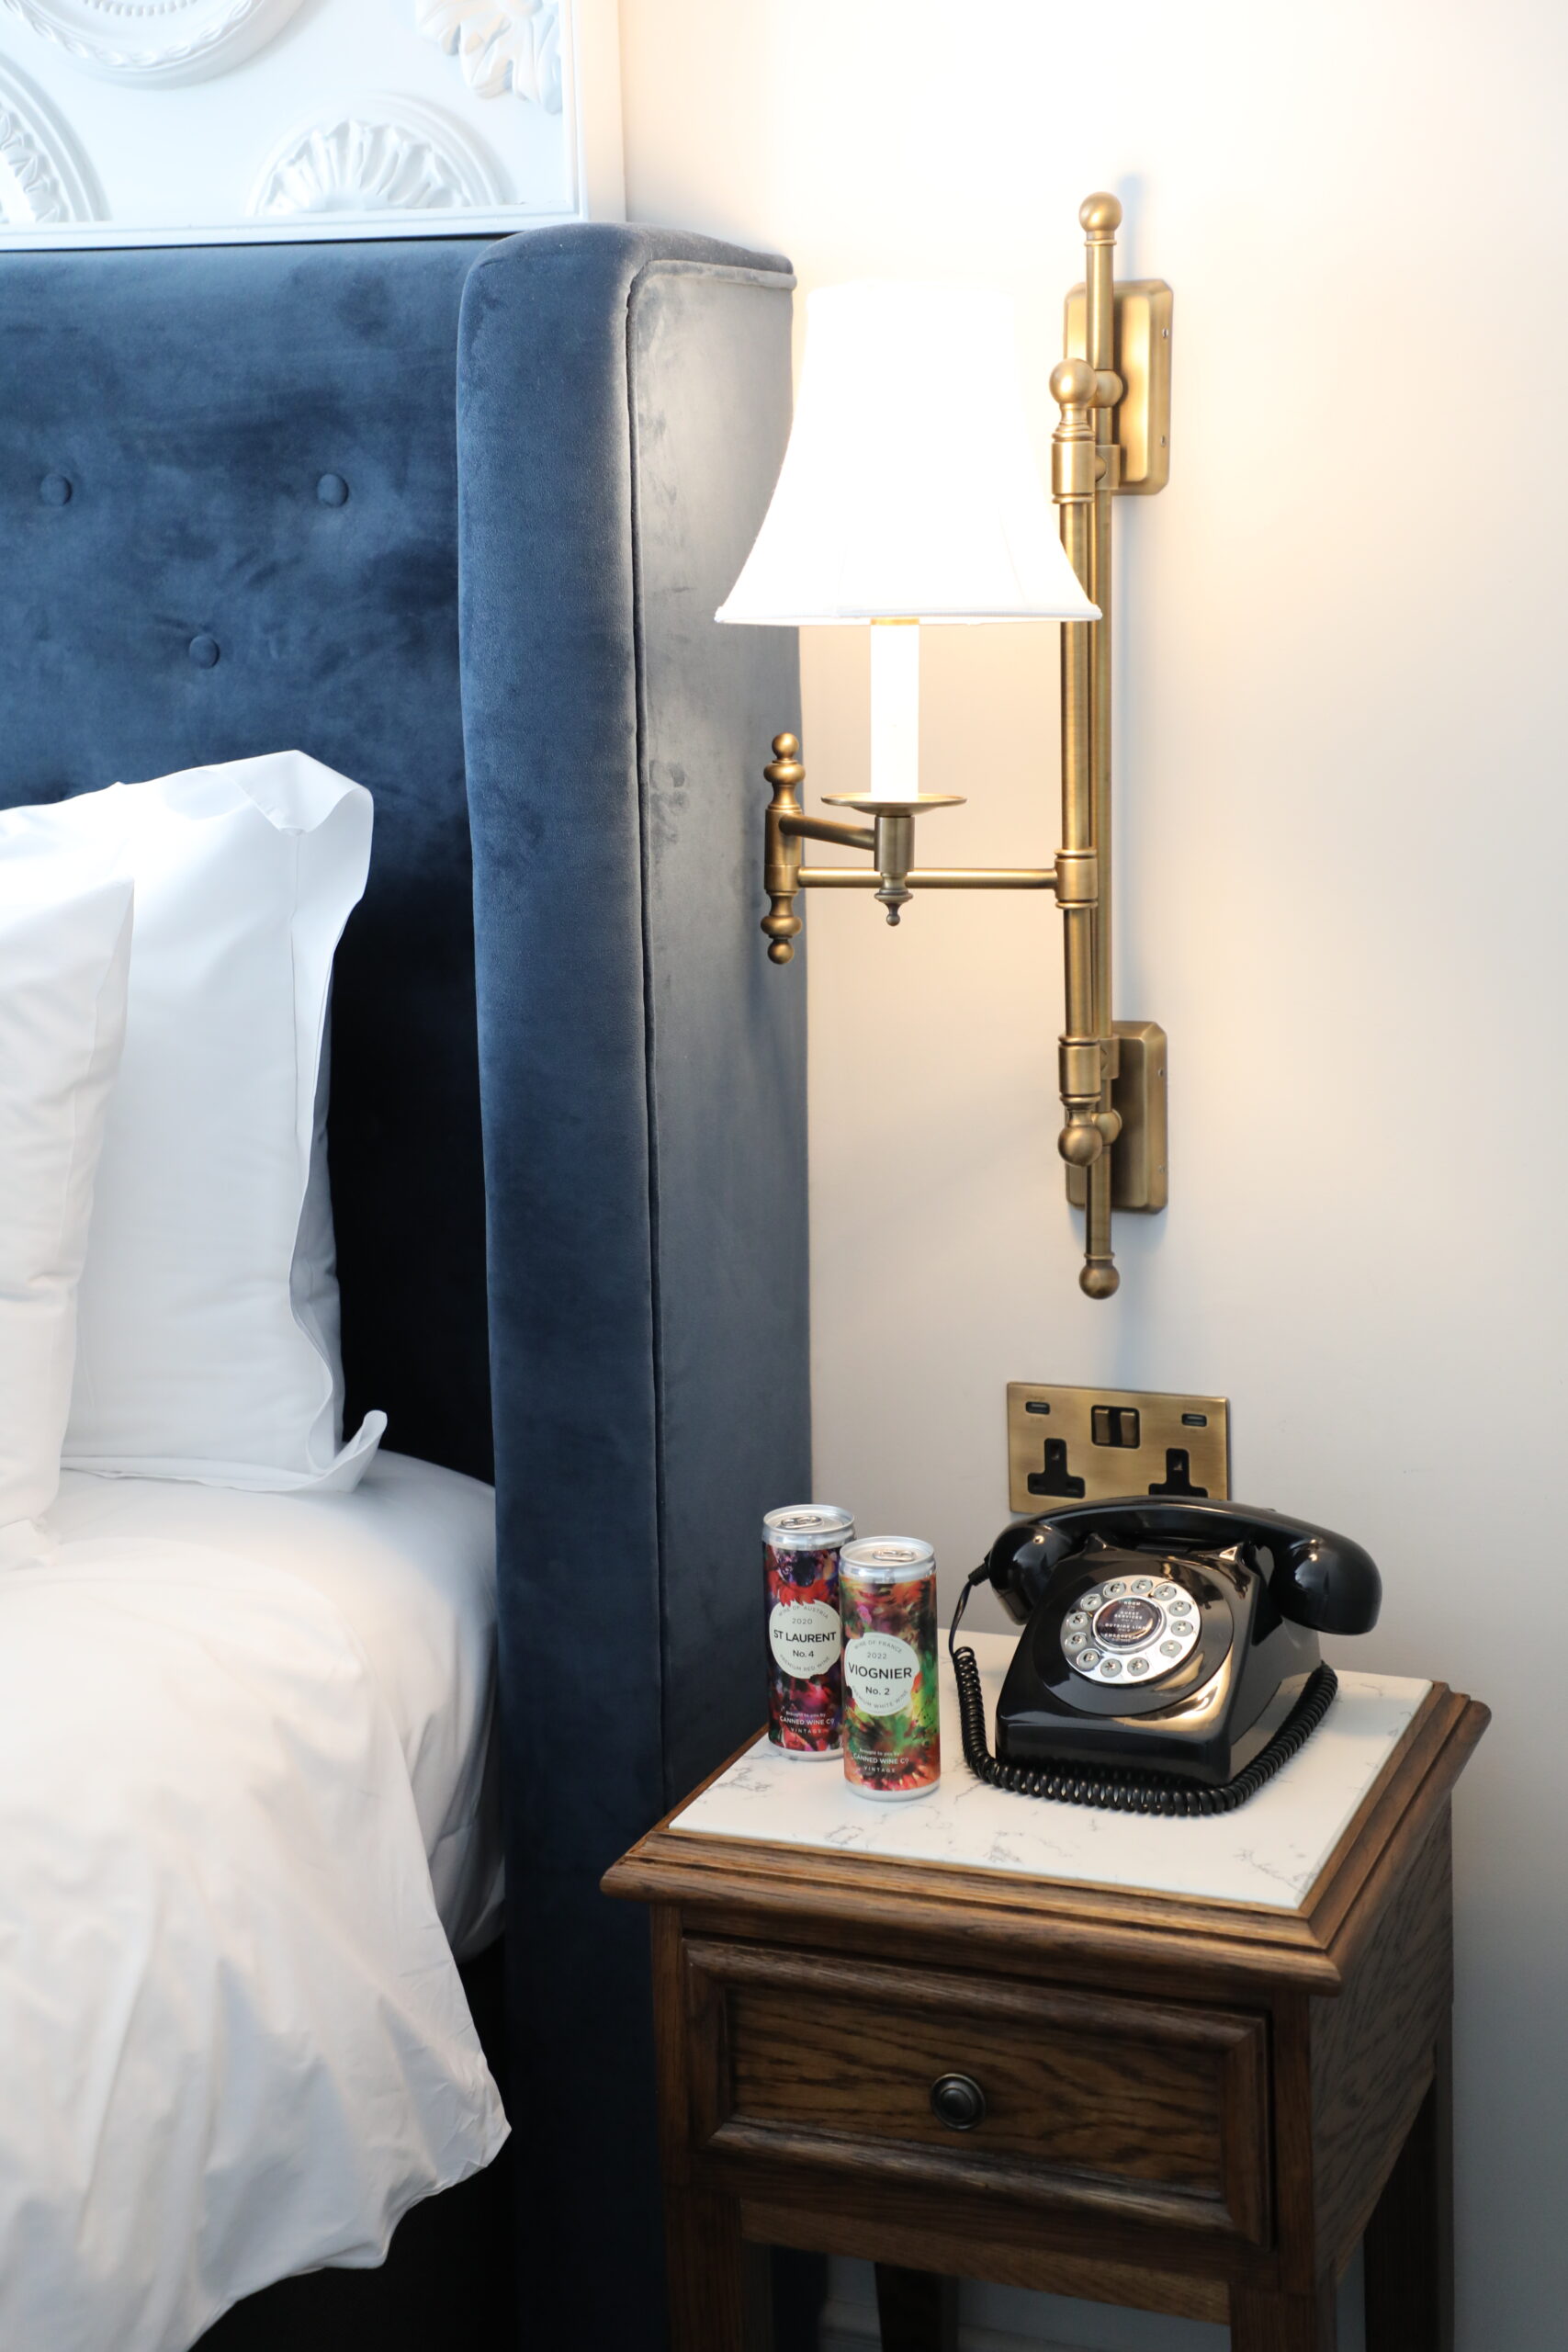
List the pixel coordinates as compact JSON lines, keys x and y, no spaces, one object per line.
{"x":1183,"y":2066}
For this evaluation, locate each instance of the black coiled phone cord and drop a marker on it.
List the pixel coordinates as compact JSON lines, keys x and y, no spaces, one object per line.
{"x":1125,"y":1788}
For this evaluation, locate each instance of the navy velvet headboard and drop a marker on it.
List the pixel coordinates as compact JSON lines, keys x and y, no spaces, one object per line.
{"x":454,"y":517}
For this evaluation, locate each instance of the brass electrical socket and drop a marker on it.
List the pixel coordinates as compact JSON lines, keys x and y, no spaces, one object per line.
{"x":1065,"y":1444}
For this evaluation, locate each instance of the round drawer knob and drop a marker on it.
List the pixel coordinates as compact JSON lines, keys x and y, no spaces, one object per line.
{"x":958,"y":2101}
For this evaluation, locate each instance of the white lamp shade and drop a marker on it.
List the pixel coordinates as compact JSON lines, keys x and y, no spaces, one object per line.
{"x":908,"y":490}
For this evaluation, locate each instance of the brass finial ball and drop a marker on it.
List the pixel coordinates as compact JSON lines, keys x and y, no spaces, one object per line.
{"x":1101,"y":211}
{"x":1100,"y":1279}
{"x":1072,"y":383}
{"x":785,"y":747}
{"x":1081,"y":1145}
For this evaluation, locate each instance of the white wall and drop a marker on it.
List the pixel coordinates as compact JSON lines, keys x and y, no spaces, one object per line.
{"x":1342,"y":848}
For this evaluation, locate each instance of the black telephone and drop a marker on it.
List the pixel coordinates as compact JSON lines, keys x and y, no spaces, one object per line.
{"x":1169,"y":1659}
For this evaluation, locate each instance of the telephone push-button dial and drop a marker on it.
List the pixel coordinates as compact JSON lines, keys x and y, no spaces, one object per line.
{"x":1132,"y":1625}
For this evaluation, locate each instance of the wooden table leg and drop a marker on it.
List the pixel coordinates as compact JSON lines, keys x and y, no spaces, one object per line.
{"x":1410,"y":2238}
{"x":1262,"y":2323}
{"x":719,"y":2287}
{"x":919,"y":2311}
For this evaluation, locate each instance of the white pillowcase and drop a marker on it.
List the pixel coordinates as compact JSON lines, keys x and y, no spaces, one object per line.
{"x":64,"y":954}
{"x":207,"y":1313}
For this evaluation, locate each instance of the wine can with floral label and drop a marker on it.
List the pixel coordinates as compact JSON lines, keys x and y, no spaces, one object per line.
{"x":892,"y":1733}
{"x":801,"y":1546}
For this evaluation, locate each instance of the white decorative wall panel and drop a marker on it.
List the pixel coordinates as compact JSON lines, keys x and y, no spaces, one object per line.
{"x":135,"y":121}
{"x":166,"y":40}
{"x":44,"y":181}
{"x":382,"y":154}
{"x":514,"y":47}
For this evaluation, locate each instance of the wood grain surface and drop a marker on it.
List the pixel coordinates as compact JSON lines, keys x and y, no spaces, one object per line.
{"x":1285,"y":2322}
{"x":1078,"y":2086}
{"x":718,"y":2282}
{"x":1410,"y":2239}
{"x":1372,"y":2048}
{"x":944,"y":2236}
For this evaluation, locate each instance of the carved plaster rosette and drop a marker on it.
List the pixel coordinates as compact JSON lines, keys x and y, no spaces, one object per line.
{"x":379,"y":155}
{"x":154,"y":40}
{"x":501,"y":45}
{"x":44,"y":180}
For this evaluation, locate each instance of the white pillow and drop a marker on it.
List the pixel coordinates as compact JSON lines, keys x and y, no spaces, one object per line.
{"x":207,"y":1314}
{"x":64,"y":952}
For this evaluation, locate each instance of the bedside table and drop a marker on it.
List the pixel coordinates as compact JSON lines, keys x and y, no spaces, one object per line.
{"x":1178,"y":2064}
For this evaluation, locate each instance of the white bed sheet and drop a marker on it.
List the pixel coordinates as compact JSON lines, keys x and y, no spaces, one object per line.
{"x":234,"y":2041}
{"x":407,"y":1561}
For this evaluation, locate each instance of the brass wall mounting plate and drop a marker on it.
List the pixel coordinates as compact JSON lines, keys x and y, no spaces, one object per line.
{"x":1141,"y":419}
{"x":1140,"y":1163}
{"x":1091,"y":1443}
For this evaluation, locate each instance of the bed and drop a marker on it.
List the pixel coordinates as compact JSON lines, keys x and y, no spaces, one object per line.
{"x":453,"y":516}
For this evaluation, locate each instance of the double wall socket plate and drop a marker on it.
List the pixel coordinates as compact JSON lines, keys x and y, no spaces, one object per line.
{"x":1066,"y":1445}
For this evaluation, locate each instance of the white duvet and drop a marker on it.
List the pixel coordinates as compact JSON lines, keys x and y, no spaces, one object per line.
{"x":233,"y":2043}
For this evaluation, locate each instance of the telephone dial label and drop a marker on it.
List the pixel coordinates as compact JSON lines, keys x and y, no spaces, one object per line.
{"x":804,"y":1636}
{"x":1131,"y":1628}
{"x":880,"y":1671}
{"x":1122,"y":1624}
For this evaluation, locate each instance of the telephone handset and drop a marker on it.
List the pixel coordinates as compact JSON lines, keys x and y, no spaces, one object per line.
{"x":1169,"y":1660}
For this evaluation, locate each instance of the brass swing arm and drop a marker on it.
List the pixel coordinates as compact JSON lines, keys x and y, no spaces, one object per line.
{"x":888,"y":840}
{"x":934,"y":878}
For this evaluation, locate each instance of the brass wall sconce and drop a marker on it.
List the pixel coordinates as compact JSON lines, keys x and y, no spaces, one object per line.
{"x":909,"y":495}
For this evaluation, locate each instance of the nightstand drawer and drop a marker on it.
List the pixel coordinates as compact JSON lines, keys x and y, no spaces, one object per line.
{"x":1057,"y":2097}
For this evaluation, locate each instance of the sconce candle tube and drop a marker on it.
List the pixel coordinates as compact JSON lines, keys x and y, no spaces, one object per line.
{"x":895,"y":711}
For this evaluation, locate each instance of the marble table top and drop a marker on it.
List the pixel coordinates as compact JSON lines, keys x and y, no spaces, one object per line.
{"x":1268,"y":1853}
